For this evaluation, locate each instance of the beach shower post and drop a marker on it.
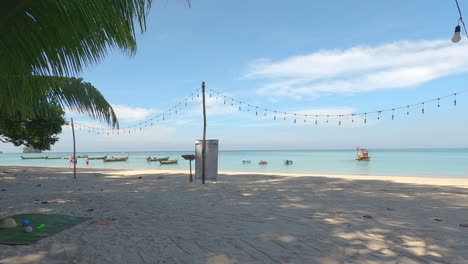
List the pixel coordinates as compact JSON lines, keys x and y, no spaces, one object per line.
{"x":204,"y":135}
{"x":74,"y":149}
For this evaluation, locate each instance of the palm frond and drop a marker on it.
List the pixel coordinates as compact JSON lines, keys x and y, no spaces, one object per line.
{"x":61,"y":37}
{"x":29,"y":97}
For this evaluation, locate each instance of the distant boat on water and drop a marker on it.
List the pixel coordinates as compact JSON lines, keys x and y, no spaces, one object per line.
{"x":47,"y":157}
{"x":42,"y":157}
{"x":362,"y":154}
{"x":246,"y":162}
{"x":158,"y":159}
{"x":116,"y":159}
{"x":97,"y":158}
{"x":165,"y":162}
{"x":288,"y":162}
{"x":263,"y":162}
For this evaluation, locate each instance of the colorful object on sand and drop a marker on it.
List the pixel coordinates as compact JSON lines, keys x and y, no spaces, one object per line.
{"x":51,"y":224}
{"x":40,"y":226}
{"x":25,"y":223}
{"x":8,"y":223}
{"x":101,"y":223}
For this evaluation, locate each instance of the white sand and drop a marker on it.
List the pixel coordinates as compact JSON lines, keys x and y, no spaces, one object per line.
{"x":244,"y":218}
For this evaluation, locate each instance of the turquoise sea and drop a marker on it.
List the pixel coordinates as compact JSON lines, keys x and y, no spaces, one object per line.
{"x":450,"y":163}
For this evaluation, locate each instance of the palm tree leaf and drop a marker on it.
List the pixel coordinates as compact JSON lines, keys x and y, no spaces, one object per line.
{"x":60,"y":37}
{"x":29,"y":97}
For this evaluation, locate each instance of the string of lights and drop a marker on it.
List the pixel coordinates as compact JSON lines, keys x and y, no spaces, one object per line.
{"x":279,"y":114}
{"x":149,"y":122}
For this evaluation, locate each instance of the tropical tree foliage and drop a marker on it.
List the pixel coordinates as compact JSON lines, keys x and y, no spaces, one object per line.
{"x":44,"y":43}
{"x":37,"y":133}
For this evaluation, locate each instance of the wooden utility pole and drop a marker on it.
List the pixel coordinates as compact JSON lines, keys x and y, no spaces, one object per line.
{"x":74,"y":150}
{"x":204,"y":136}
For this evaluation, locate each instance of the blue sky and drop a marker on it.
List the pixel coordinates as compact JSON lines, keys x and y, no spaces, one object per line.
{"x":334,"y":57}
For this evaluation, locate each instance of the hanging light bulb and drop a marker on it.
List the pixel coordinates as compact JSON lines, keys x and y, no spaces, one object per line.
{"x":455,"y":99}
{"x":456,"y":36}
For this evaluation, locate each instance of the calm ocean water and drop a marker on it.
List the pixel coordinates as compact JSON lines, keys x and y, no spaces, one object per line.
{"x":422,"y":162}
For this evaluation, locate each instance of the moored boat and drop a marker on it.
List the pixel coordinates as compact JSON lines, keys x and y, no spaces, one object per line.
{"x":263,"y":162}
{"x":288,"y":162}
{"x":362,"y":154}
{"x":97,"y":158}
{"x":47,"y":157}
{"x":116,"y":159}
{"x":165,"y":162}
{"x":158,"y":159}
{"x":42,"y":157}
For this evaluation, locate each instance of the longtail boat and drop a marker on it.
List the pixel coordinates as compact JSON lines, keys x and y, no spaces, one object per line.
{"x":362,"y":154}
{"x":116,"y":159}
{"x":165,"y":162}
{"x":263,"y":162}
{"x":158,"y":159}
{"x":47,"y":157}
{"x":97,"y":158}
{"x":42,"y":157}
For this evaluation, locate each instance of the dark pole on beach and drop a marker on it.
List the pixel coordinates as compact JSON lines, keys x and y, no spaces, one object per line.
{"x":191,"y":178}
{"x":74,"y":150}
{"x":204,"y":135}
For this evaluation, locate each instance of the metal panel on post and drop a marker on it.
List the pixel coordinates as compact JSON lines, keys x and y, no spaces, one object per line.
{"x":211,"y":156}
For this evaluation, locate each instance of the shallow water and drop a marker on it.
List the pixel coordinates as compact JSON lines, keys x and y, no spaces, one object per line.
{"x":421,"y":162}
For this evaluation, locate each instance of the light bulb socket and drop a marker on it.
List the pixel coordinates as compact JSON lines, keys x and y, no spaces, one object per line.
{"x":457,"y":29}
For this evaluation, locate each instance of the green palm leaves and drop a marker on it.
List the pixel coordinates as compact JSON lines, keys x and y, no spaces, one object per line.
{"x":44,"y":43}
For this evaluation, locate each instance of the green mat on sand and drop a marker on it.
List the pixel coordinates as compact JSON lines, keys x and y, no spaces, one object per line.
{"x":51,"y":224}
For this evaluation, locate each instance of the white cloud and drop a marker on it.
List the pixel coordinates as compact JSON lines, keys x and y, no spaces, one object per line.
{"x":128,"y":114}
{"x":360,"y":69}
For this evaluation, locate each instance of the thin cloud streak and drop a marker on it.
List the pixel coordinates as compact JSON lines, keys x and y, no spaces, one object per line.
{"x":360,"y":69}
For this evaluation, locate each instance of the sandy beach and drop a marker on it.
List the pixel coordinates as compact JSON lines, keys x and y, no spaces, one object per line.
{"x":158,"y":217}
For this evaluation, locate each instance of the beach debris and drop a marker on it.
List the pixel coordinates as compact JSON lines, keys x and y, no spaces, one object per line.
{"x":44,"y":202}
{"x":437,"y":219}
{"x":39,"y":185}
{"x":40,"y":226}
{"x":464,"y":225}
{"x":102,"y":223}
{"x":368,"y":216}
{"x":8,"y":223}
{"x":90,"y":210}
{"x":140,"y":177}
{"x":26,"y":226}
